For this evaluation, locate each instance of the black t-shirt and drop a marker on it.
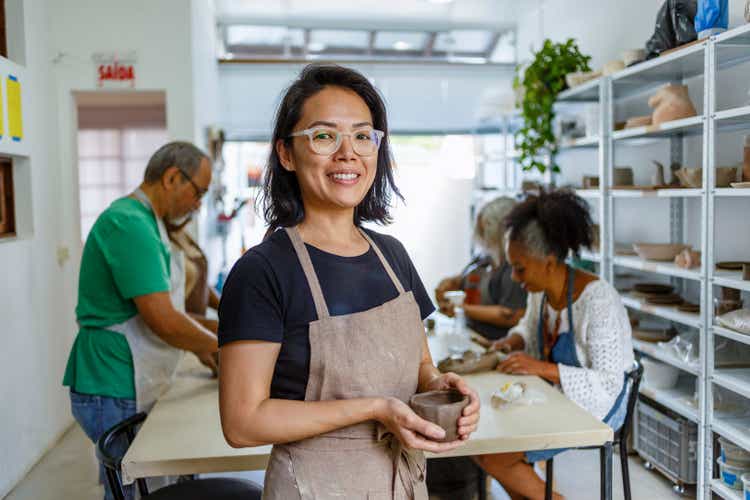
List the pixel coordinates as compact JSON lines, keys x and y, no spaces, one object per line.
{"x":266,"y":297}
{"x":500,"y":290}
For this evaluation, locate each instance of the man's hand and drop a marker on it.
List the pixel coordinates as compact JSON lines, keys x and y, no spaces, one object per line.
{"x":210,"y":360}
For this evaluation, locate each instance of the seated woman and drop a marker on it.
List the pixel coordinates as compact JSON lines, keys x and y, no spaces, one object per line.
{"x":501,"y":301}
{"x":575,"y":332}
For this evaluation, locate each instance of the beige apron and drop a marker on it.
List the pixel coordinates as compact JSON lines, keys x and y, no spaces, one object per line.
{"x":374,"y":353}
{"x":154,"y":361}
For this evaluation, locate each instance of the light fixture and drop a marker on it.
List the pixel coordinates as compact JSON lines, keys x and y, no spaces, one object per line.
{"x":316,"y":46}
{"x":401,"y":45}
{"x":440,"y":2}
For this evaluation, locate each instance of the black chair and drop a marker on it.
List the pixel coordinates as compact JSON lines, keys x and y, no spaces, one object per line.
{"x":214,"y":488}
{"x":621,"y":435}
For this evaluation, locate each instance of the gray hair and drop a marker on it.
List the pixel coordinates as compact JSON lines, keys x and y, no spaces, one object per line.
{"x":185,"y":156}
{"x":490,"y":226}
{"x":533,"y":240}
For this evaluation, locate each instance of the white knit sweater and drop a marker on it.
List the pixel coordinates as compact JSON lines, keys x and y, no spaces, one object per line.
{"x":603,"y":345}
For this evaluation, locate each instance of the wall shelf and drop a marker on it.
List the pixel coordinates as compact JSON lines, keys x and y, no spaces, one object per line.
{"x":664,"y":268}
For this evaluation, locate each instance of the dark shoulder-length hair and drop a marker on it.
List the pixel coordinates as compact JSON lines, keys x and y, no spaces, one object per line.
{"x":282,"y":200}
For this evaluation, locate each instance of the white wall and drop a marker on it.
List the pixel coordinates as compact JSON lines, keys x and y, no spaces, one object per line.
{"x":426,"y":97}
{"x":37,"y":322}
{"x":38,"y":295}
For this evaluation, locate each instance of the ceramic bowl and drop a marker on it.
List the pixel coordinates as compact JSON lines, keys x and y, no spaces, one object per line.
{"x":581,"y":77}
{"x":633,"y":56}
{"x":658,"y":251}
{"x":442,"y":408}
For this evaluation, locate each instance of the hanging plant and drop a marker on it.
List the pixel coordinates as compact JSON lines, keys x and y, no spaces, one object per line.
{"x":540,"y":83}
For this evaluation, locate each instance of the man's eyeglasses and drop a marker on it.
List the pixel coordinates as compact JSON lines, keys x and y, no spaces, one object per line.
{"x":326,"y":141}
{"x":199,"y":192}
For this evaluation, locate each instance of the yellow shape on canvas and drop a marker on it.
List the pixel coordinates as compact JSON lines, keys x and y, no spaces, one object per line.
{"x":15,"y":114}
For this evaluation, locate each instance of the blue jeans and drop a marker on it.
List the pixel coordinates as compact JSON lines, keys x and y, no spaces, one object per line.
{"x":97,"y":414}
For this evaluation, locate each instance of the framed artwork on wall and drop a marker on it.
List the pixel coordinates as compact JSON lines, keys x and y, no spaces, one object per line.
{"x":7,"y":215}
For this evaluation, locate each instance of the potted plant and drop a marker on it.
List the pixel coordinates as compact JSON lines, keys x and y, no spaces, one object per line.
{"x":541,"y":81}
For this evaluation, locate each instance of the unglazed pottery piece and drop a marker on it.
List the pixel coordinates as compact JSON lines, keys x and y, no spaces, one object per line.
{"x":442,"y":408}
{"x":471,"y":362}
{"x":613,"y":67}
{"x":731,"y":265}
{"x":512,"y":391}
{"x":653,"y":288}
{"x":638,"y":121}
{"x":688,"y":259}
{"x":658,"y":251}
{"x":671,"y":102}
{"x":633,"y":56}
{"x":579,"y":78}
{"x":622,"y":176}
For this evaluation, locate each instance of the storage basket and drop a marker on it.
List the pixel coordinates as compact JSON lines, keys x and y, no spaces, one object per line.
{"x":668,"y":441}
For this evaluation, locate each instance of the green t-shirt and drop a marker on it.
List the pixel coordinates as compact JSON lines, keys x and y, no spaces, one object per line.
{"x":123,"y":258}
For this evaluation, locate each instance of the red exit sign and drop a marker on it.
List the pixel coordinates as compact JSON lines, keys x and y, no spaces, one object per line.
{"x":115,"y":70}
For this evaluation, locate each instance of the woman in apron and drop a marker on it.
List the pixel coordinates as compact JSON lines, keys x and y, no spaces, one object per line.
{"x":320,"y":326}
{"x":575,"y":332}
{"x":499,"y":302}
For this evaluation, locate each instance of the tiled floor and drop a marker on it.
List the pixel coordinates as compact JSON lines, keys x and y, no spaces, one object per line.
{"x":69,"y":471}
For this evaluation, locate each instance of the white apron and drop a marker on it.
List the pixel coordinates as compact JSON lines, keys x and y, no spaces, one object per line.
{"x":154,"y":361}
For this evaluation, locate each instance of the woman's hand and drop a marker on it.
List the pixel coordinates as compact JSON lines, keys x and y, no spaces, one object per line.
{"x":519,"y":363}
{"x":503,"y":345}
{"x":469,"y":419}
{"x":412,"y":430}
{"x":209,"y":360}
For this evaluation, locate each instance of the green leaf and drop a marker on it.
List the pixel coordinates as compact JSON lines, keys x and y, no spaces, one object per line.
{"x":542,"y":81}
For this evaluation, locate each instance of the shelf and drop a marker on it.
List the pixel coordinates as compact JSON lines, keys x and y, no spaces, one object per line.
{"x":732,"y":192}
{"x":731,"y":279}
{"x":589,"y":193}
{"x":586,"y":92}
{"x":735,"y":379}
{"x":595,"y":257}
{"x":731,"y":334}
{"x":675,"y":399}
{"x":656,"y":193}
{"x":686,"y":126}
{"x":724,"y":491}
{"x":733,"y":119}
{"x":665,"y":268}
{"x":734,"y":429}
{"x":677,"y":66}
{"x":666,"y":312}
{"x":732,"y":47}
{"x":582,"y":142}
{"x":653,"y":350}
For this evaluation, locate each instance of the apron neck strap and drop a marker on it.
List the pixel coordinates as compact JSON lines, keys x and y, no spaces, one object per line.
{"x":312,"y":279}
{"x":569,"y":307}
{"x":386,"y":265}
{"x":143,"y":198}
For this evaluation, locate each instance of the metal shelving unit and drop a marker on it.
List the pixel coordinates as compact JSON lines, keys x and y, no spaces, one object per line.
{"x":705,"y":60}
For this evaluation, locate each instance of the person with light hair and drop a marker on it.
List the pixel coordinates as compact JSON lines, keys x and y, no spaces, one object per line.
{"x":500,"y":302}
{"x":575,"y":333}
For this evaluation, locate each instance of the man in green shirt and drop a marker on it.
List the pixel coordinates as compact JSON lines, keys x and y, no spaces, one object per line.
{"x":132,"y":331}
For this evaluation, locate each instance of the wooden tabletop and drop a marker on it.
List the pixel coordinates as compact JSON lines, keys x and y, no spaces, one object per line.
{"x":182,"y":434}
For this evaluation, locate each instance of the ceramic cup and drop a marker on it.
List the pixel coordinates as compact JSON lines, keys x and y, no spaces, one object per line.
{"x":442,"y":408}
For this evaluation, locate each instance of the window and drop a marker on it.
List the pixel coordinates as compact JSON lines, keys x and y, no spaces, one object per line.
{"x":7,"y":214}
{"x":111,"y":162}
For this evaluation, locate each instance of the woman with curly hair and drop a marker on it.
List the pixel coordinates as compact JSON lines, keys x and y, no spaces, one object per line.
{"x":575,"y":332}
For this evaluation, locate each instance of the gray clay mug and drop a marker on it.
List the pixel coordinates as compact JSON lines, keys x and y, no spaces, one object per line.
{"x":442,"y":408}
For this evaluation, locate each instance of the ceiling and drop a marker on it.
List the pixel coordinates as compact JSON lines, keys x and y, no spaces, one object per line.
{"x":476,"y":31}
{"x":497,"y":15}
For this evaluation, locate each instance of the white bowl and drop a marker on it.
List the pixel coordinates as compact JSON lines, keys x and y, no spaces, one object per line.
{"x":659,"y":375}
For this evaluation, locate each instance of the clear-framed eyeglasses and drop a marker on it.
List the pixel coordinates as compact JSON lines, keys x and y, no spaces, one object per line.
{"x":326,"y":141}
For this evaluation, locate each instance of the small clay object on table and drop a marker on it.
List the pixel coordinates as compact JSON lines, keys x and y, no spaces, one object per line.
{"x":471,"y":362}
{"x":442,"y":408}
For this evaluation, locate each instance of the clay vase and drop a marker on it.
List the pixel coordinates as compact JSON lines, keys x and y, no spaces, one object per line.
{"x":671,"y":102}
{"x":658,"y":178}
{"x":442,"y":408}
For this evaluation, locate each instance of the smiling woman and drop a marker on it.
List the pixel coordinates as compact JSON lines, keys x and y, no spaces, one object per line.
{"x":315,"y":321}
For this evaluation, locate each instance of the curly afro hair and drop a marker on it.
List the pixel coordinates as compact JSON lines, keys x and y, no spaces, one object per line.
{"x":551,"y":223}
